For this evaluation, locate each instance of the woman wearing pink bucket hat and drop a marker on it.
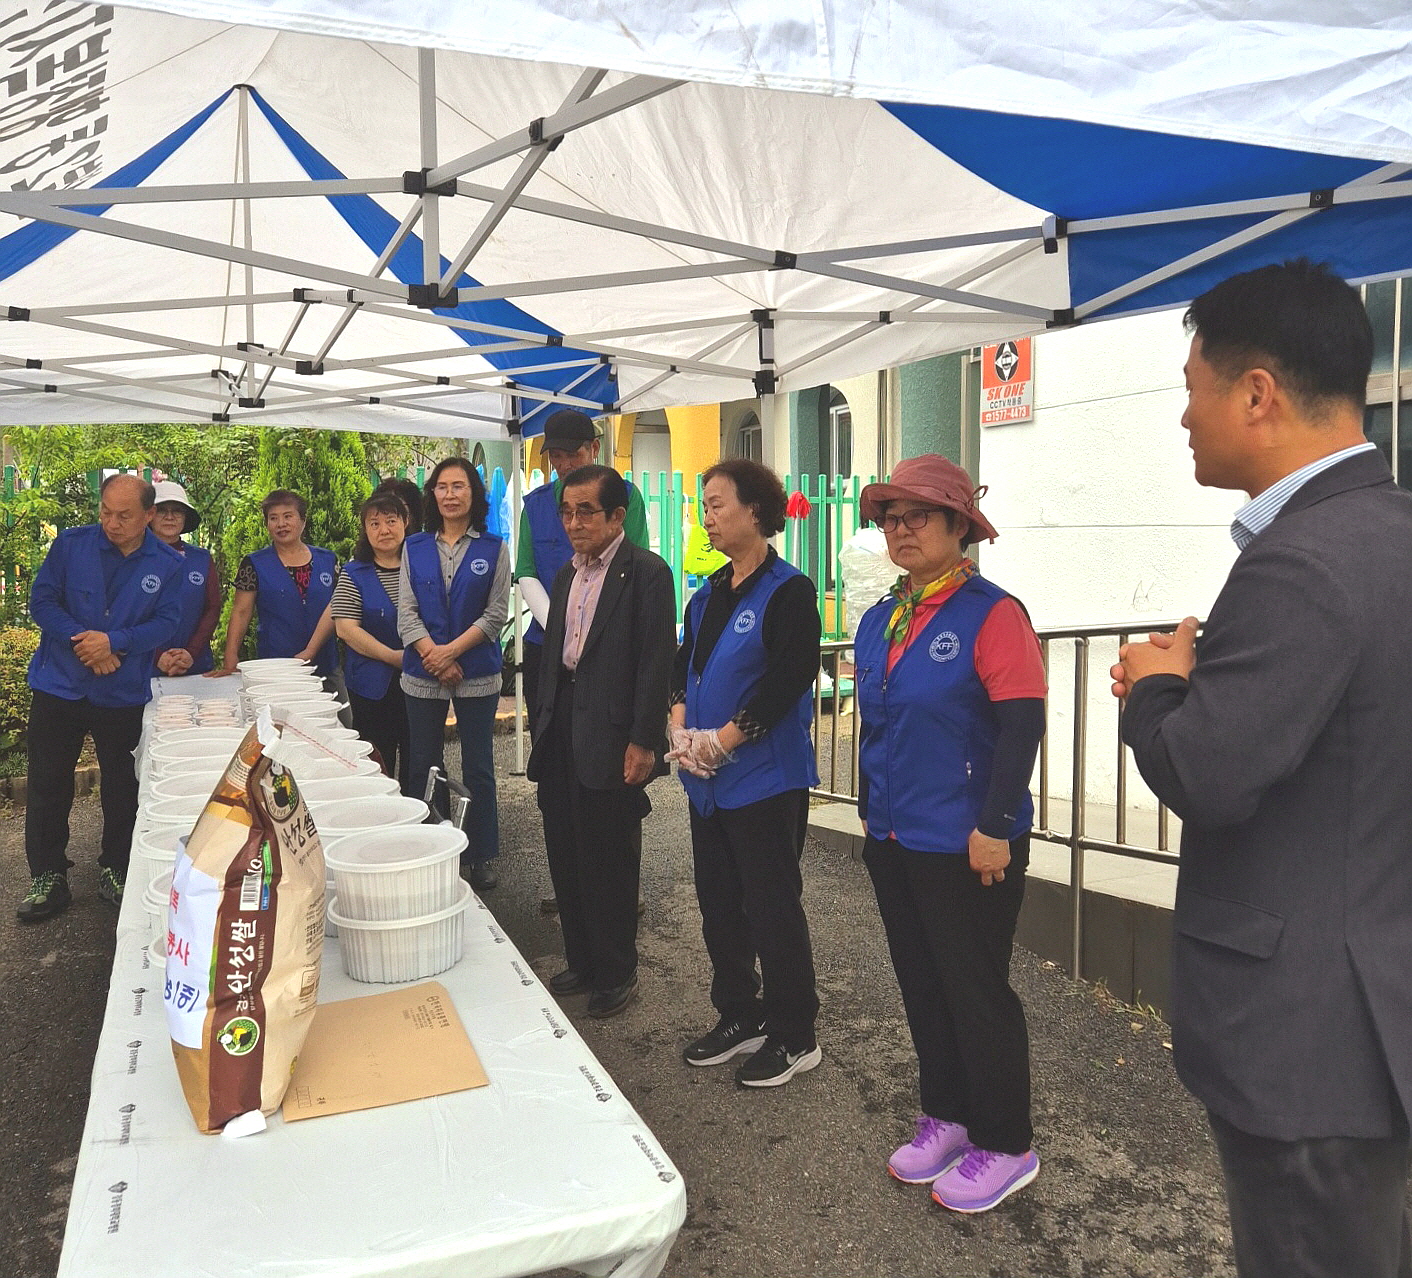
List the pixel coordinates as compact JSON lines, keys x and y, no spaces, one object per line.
{"x":950,"y":686}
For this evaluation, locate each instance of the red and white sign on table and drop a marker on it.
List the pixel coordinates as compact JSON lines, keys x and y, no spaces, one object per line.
{"x":1007,"y":383}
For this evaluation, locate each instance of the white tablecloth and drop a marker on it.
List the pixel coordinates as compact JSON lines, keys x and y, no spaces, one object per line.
{"x":547,"y":1167}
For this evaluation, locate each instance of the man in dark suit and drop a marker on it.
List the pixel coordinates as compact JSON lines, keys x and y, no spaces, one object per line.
{"x":1284,"y":742}
{"x":600,"y":733}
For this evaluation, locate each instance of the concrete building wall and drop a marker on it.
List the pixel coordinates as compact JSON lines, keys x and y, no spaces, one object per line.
{"x":1101,"y":520}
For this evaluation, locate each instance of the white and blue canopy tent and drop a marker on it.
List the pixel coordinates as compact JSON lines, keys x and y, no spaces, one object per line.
{"x":446,"y":219}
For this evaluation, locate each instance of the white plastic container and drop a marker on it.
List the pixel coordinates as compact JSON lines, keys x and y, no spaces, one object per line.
{"x":310,"y":767}
{"x":158,"y":952}
{"x":331,"y":789}
{"x":256,"y":664}
{"x":207,"y":735}
{"x":373,"y":813}
{"x":210,"y":753}
{"x":180,"y":812}
{"x":181,"y":784}
{"x":156,"y":849}
{"x":154,"y":901}
{"x":398,"y":873}
{"x":189,"y":764}
{"x":386,"y":951}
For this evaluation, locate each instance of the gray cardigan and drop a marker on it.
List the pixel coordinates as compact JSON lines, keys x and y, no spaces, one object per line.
{"x":1288,"y":756}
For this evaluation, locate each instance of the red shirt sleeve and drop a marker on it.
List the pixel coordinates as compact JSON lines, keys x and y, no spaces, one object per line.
{"x":1008,"y":658}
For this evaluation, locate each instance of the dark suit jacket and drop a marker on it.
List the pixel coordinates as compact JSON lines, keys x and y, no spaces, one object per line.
{"x":622,"y":685}
{"x":1288,"y":756}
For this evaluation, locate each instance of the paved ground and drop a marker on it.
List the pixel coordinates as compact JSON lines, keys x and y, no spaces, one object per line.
{"x":786,"y":1182}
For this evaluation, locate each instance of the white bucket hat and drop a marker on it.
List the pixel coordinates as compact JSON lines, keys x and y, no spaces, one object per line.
{"x":168,"y":491}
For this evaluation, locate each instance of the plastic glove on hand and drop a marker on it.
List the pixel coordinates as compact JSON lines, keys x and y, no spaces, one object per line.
{"x":683,"y":751}
{"x":707,"y":750}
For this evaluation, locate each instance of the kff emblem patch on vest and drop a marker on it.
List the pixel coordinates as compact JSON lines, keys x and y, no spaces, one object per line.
{"x":480,"y":567}
{"x":945,"y":646}
{"x":196,"y":578}
{"x":151,"y":583}
{"x":745,"y":622}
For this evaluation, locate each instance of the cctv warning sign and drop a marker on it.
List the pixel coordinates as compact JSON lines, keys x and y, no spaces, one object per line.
{"x":1007,"y":383}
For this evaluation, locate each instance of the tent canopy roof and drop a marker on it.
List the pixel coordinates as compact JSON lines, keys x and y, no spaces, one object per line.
{"x":216,"y":221}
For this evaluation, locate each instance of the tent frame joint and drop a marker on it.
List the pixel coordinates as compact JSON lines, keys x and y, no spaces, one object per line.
{"x":784,"y":261}
{"x":1055,"y":229}
{"x":414,"y":182}
{"x":1063,"y":319}
{"x":19,"y":314}
{"x":432,"y":297}
{"x":1323,"y":199}
{"x":307,"y":368}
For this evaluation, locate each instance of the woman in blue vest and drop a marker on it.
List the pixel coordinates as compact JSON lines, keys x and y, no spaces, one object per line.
{"x":365,"y":618}
{"x":950,"y":686}
{"x":453,"y":600}
{"x":740,"y":730}
{"x":289,"y":584}
{"x":190,"y":650}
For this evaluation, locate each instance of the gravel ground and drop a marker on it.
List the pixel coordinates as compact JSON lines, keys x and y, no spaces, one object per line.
{"x":787,"y":1181}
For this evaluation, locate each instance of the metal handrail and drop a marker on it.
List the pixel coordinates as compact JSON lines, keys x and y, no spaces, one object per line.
{"x":830,"y":726}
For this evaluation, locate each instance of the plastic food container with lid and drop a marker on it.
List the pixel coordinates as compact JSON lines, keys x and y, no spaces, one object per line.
{"x":396,"y":873}
{"x":384,"y":951}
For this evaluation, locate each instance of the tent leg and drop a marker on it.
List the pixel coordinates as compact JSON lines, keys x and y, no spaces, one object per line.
{"x":516,"y":485}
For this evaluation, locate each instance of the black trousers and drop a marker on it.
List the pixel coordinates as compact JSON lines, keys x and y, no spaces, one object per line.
{"x":382,"y":723}
{"x":529,"y":664}
{"x":593,"y":839}
{"x":750,"y":890}
{"x":57,"y":728}
{"x":1329,"y":1208}
{"x":950,"y":941}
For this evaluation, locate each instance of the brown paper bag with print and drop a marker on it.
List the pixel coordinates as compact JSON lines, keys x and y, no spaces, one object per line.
{"x":245,"y":930}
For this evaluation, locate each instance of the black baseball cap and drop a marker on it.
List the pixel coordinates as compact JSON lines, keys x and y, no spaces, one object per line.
{"x":568,"y":429}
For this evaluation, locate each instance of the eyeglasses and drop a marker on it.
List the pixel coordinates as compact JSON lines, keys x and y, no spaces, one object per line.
{"x":451,"y":490}
{"x":912,"y":519}
{"x":579,"y":514}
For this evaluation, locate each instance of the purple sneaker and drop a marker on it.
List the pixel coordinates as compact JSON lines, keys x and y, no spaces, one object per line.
{"x":936,"y":1146}
{"x":982,"y":1179}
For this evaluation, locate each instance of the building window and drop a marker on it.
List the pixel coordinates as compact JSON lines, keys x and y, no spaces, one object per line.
{"x":836,"y":443}
{"x":1388,"y":418}
{"x":750,"y":439}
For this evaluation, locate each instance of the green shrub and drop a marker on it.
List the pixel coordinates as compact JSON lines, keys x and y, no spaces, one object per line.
{"x":17,"y":645}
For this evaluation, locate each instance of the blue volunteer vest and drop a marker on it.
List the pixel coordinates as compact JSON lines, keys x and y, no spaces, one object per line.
{"x":552,"y":548}
{"x":445,"y":616}
{"x":195,"y":572}
{"x":367,"y":676}
{"x":783,"y":759}
{"x":73,"y":563}
{"x":286,"y":621}
{"x":928,"y":728}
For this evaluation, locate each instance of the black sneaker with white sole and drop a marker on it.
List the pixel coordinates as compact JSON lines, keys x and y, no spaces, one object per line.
{"x":774,"y":1064}
{"x":731,"y":1037}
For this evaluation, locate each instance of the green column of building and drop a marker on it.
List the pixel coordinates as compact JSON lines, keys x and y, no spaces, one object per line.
{"x":930,"y":406}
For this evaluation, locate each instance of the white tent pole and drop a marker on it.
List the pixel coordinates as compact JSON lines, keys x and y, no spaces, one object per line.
{"x":20,"y":206}
{"x":404,"y":229}
{"x":529,"y":166}
{"x":243,"y":136}
{"x":619,"y":98}
{"x":431,"y":211}
{"x":1225,"y":245}
{"x":517,"y":473}
{"x":303,"y":189}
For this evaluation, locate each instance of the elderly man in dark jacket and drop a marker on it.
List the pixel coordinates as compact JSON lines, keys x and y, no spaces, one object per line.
{"x":600,"y":733}
{"x":1284,"y":741}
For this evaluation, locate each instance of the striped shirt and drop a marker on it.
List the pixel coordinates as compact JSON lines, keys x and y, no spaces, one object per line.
{"x":1259,"y":512}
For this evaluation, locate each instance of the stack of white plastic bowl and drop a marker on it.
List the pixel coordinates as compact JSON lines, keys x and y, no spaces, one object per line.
{"x":154,"y":901}
{"x":155,"y":851}
{"x":399,"y":903}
